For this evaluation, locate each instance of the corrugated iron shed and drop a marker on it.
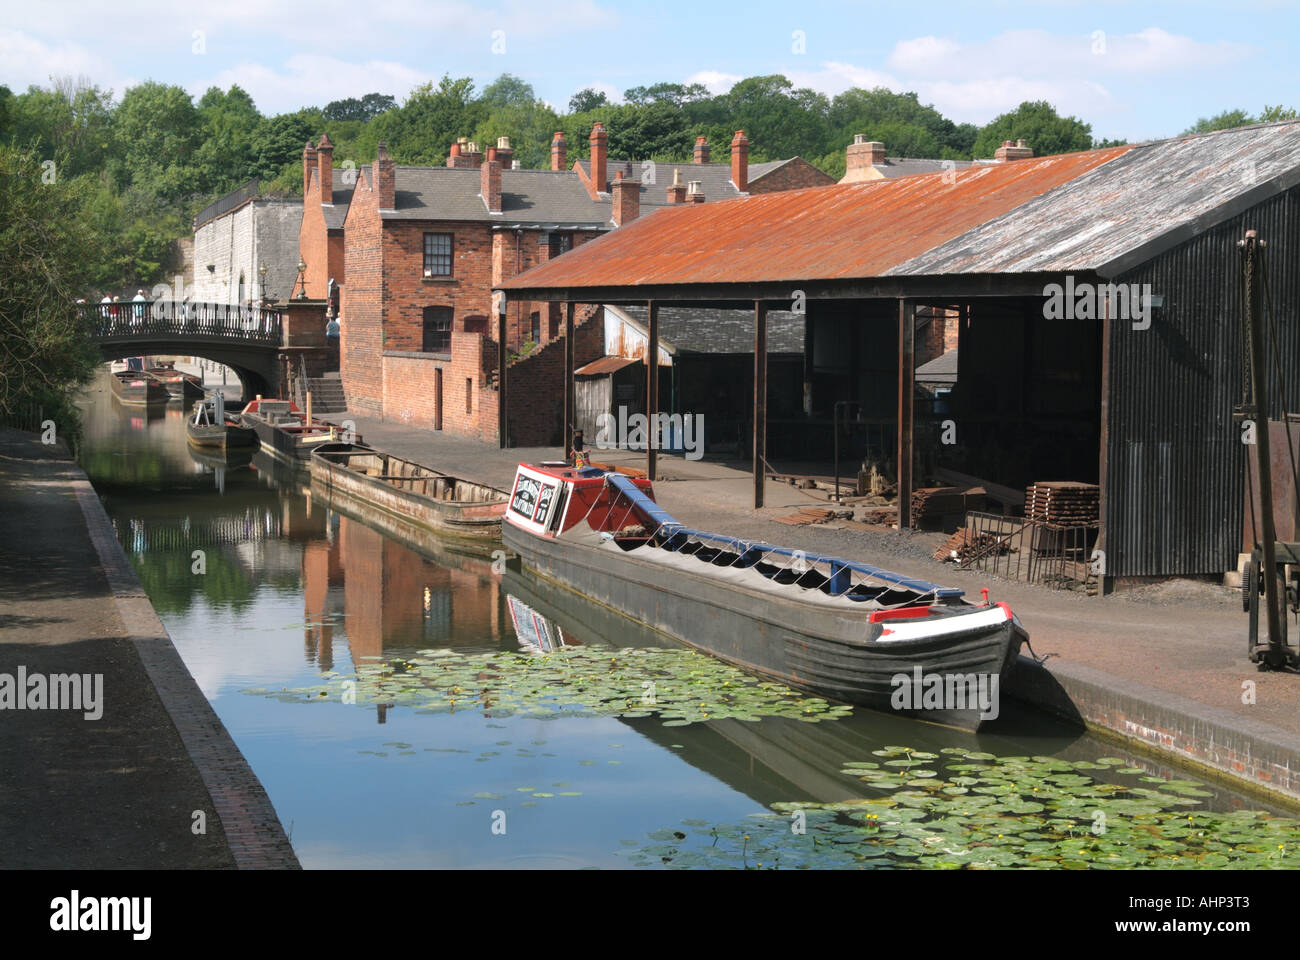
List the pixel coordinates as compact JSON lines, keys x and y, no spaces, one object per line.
{"x":843,"y":231}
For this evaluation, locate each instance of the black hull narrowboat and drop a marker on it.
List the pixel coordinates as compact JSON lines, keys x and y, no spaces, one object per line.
{"x":284,"y":433}
{"x":838,"y":628}
{"x":211,"y":428}
{"x":179,"y":386}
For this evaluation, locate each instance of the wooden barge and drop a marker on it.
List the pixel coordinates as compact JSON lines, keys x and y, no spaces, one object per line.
{"x":179,"y":386}
{"x":838,"y":628}
{"x":427,"y":498}
{"x":211,"y":427}
{"x":285,"y":432}
{"x":135,"y":388}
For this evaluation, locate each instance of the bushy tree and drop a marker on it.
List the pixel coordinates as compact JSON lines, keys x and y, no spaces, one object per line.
{"x":1040,"y":126}
{"x":45,"y":351}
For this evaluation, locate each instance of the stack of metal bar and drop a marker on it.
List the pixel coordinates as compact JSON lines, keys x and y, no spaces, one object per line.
{"x":934,"y":502}
{"x":1063,"y":503}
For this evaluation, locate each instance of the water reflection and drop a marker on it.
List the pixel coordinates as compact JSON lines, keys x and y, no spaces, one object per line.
{"x":301,"y":589}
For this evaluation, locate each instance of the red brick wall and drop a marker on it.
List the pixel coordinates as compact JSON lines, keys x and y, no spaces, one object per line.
{"x":407,"y":291}
{"x":938,"y":336}
{"x":361,"y":303}
{"x":795,"y":175}
{"x":536,"y":383}
{"x":410,"y":392}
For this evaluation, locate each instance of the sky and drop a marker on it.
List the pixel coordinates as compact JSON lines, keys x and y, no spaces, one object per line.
{"x":1133,"y":70}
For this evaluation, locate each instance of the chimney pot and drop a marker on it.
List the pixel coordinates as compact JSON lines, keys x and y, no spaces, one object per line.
{"x":862,"y":154}
{"x":559,"y":151}
{"x":598,"y":141}
{"x":385,"y":178}
{"x":626,"y":197}
{"x":1013,"y":150}
{"x":701,"y":150}
{"x":325,"y":169}
{"x":490,"y":182}
{"x":308,"y":164}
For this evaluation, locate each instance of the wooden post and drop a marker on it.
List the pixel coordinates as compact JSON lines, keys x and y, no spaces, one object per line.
{"x":760,"y":400}
{"x":568,"y":379}
{"x":652,"y":389}
{"x":906,"y":396}
{"x":501,"y":371}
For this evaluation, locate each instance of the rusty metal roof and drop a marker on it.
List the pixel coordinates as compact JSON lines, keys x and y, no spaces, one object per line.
{"x":604,"y":365}
{"x":832,"y":232}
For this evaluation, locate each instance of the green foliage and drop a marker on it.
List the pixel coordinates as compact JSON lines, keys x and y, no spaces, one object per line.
{"x":425,"y":126}
{"x":1229,"y":119}
{"x":363,"y":110}
{"x":1038,"y":123}
{"x":587,"y":99}
{"x":45,"y":352}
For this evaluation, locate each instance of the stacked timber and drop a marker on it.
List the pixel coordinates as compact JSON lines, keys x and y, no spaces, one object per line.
{"x":932,"y":503}
{"x":968,"y":544}
{"x":1063,"y":503}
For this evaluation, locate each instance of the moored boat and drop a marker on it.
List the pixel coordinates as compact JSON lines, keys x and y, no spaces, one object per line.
{"x":210,"y":426}
{"x":135,"y":388}
{"x":431,"y":499}
{"x":179,"y":385}
{"x":839,"y":628}
{"x":284,"y":431}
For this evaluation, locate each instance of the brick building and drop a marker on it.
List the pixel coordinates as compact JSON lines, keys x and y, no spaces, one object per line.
{"x":234,"y":236}
{"x":418,"y":251}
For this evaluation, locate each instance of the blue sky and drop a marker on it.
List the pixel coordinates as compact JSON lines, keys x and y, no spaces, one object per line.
{"x":1132,"y":70}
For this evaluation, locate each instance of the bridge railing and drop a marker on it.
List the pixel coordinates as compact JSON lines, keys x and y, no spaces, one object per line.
{"x":149,"y":320}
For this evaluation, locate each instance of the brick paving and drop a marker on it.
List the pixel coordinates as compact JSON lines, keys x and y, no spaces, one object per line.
{"x":120,"y":791}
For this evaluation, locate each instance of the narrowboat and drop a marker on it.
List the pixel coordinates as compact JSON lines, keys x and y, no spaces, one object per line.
{"x":284,"y":431}
{"x":135,"y":388}
{"x":426,"y":497}
{"x":210,"y":426}
{"x":179,"y":385}
{"x":838,"y":628}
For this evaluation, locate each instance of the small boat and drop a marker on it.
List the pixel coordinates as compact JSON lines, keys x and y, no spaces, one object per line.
{"x":179,"y":385}
{"x":841,"y":629}
{"x":135,"y":388}
{"x":431,"y":499}
{"x":211,"y":426}
{"x":284,"y":432}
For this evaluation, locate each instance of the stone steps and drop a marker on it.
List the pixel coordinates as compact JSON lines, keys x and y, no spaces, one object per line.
{"x":327,"y":394}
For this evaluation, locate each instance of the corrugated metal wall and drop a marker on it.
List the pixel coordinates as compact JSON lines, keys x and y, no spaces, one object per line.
{"x":1175,"y":471}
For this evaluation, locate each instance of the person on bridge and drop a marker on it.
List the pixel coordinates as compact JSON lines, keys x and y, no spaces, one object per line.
{"x":137,"y":311}
{"x":103,"y":311}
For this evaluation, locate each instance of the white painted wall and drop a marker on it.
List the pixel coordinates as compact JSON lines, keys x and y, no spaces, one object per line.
{"x":263,"y":230}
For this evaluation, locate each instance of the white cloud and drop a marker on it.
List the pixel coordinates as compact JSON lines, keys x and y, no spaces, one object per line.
{"x":27,"y":60}
{"x":715,"y":81}
{"x":315,"y":79}
{"x":923,"y":54}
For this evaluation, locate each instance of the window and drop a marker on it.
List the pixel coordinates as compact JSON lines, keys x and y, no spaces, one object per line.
{"x":437,"y":255}
{"x":437,"y":329}
{"x":535,"y":327}
{"x":469,"y":394}
{"x":560,"y":243}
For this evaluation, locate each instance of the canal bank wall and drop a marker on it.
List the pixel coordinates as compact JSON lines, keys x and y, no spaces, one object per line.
{"x":1162,"y":671}
{"x":154,"y":780}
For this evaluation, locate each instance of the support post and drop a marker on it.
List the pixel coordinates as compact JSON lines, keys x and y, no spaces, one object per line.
{"x":906,"y":397}
{"x":760,"y":400}
{"x":652,"y":389}
{"x":501,"y":370}
{"x":568,"y":379}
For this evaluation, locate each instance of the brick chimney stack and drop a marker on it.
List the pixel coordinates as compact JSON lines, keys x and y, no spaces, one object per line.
{"x":677,"y":189}
{"x":559,"y":151}
{"x":308,"y":165}
{"x":1012,"y":150}
{"x":505,"y":153}
{"x":454,"y":157}
{"x":490,"y":181}
{"x":740,"y":161}
{"x":385,"y":178}
{"x":695,"y":191}
{"x":598,"y":142}
{"x":473,"y":153}
{"x":325,"y":168}
{"x":701,"y":150}
{"x":863,"y":153}
{"x":627,"y":199}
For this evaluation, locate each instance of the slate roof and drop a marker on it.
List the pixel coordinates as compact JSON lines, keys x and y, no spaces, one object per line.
{"x":532,"y":197}
{"x":942,"y":369}
{"x":715,"y":178}
{"x":337,"y":212}
{"x":703,"y":330}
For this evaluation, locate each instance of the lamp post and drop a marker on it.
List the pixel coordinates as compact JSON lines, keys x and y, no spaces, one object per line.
{"x":261,"y":273}
{"x":302,"y":270}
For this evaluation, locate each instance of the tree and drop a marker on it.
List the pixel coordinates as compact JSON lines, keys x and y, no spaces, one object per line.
{"x":73,"y":119}
{"x":227,"y":151}
{"x":425,"y":126}
{"x":674,"y":94}
{"x":587,"y":99}
{"x":45,"y":351}
{"x":1278,"y":113}
{"x":1040,"y":126}
{"x":508,"y":90}
{"x":159,"y":131}
{"x":1226,"y":120}
{"x":363,"y":110}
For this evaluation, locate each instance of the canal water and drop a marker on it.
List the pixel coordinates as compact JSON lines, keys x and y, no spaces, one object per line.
{"x":410,"y":706}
